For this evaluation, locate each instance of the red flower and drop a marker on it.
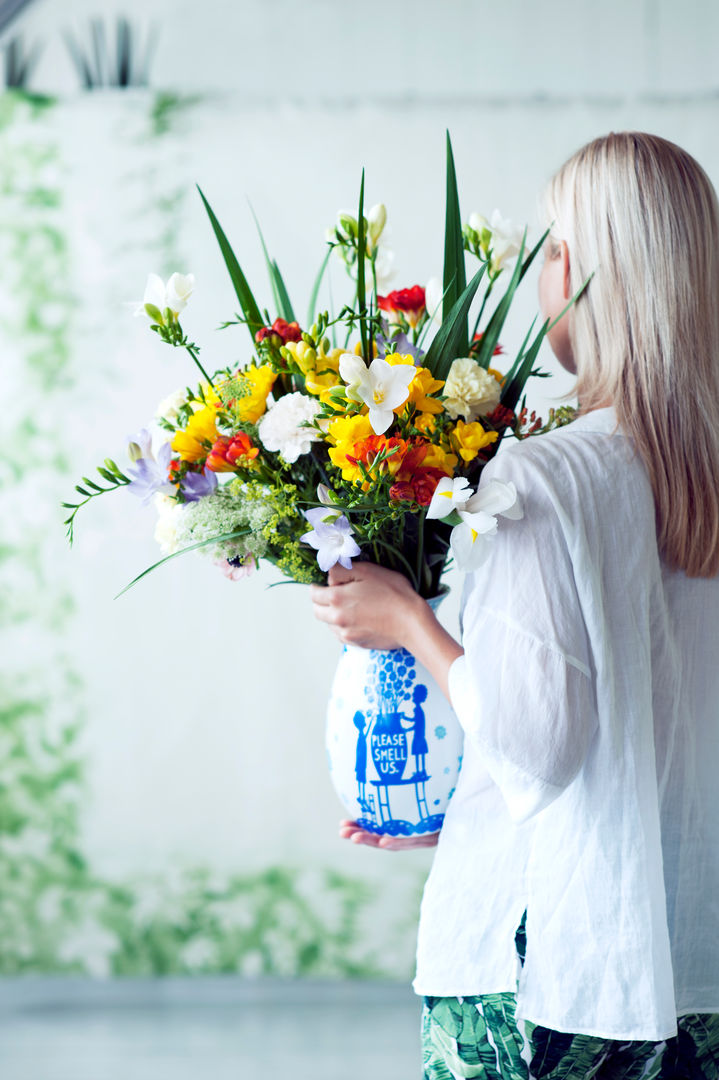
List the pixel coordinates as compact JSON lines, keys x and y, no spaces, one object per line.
{"x":409,"y":303}
{"x":501,"y":417}
{"x":281,"y":332}
{"x":420,"y":488}
{"x":231,"y":452}
{"x":476,"y":342}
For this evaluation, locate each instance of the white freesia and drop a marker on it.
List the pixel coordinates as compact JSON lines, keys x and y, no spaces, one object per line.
{"x":433,"y":299}
{"x":169,"y":512}
{"x":169,"y":407}
{"x":505,"y":239}
{"x":178,"y":291}
{"x":382,"y":387}
{"x":470,"y":540}
{"x":376,"y":221}
{"x":160,"y":296}
{"x":470,"y":391}
{"x":282,"y":429}
{"x":449,"y":495}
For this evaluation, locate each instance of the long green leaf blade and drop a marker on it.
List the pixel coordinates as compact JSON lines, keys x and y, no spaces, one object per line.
{"x":452,"y":334}
{"x":512,"y":390}
{"x":283,"y":307}
{"x":455,"y":277}
{"x":242,"y":290}
{"x":361,"y":289}
{"x":316,"y":288}
{"x":176,"y":554}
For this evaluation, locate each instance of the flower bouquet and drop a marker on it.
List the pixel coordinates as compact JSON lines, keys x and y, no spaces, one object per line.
{"x":361,"y":435}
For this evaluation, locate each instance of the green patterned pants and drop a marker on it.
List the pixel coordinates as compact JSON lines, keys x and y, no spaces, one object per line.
{"x":479,"y":1037}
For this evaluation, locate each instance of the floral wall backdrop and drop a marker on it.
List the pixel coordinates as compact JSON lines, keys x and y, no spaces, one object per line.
{"x":164,"y":802}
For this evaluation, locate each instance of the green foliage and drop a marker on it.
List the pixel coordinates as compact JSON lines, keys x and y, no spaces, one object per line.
{"x":250,"y":310}
{"x":455,"y":278}
{"x":447,"y":343}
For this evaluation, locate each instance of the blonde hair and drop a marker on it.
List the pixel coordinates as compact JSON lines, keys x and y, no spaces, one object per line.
{"x":640,"y":215}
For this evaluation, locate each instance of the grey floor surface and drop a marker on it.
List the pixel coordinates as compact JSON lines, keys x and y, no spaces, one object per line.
{"x":219,"y":1028}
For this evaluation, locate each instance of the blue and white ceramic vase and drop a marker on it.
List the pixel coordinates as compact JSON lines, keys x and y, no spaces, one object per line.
{"x":394,"y":744}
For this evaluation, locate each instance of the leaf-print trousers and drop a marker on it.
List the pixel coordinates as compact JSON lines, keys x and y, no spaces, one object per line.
{"x":479,"y":1037}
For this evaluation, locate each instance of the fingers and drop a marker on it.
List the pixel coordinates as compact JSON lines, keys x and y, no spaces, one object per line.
{"x":350,"y":830}
{"x":339,"y":576}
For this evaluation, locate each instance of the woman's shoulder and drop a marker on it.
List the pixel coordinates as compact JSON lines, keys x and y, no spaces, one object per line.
{"x":584,"y":470}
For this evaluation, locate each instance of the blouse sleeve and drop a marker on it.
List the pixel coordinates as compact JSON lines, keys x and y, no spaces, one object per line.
{"x":523,"y":691}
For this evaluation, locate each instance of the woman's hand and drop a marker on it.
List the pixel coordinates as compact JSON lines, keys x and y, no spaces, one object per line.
{"x":350,"y":830}
{"x":368,"y":605}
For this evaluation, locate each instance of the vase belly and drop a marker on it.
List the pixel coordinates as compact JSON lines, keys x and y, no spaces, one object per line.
{"x":394,"y":744}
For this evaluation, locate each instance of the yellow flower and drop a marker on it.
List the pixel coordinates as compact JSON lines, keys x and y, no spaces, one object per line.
{"x":469,"y":439}
{"x":425,"y":423}
{"x":349,"y":429}
{"x":195,"y":441}
{"x":258,"y":381}
{"x":497,"y":374}
{"x":420,"y":389}
{"x":438,"y":458}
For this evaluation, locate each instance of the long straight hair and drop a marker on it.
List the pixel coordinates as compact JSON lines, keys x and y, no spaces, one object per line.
{"x":640,"y":215}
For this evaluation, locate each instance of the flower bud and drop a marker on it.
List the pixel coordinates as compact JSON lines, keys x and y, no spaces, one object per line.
{"x":154,"y":313}
{"x":377,"y":219}
{"x":348,"y":224}
{"x":134,"y":452}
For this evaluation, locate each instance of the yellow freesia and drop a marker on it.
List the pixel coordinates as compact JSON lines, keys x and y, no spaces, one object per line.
{"x":195,"y":441}
{"x":438,"y":458}
{"x":469,"y":439}
{"x":258,"y":381}
{"x":425,"y":423}
{"x":497,"y":374}
{"x":420,"y":389}
{"x":349,"y":429}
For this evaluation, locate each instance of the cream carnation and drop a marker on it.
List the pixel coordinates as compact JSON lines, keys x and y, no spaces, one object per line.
{"x":470,"y":391}
{"x":281,"y":428}
{"x":169,"y":407}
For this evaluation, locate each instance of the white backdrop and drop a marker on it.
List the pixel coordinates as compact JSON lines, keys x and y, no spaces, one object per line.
{"x":206,"y":698}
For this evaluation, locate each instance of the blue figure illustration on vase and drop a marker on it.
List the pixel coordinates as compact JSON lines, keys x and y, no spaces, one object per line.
{"x":391,"y":683}
{"x":419,"y":740}
{"x":367,"y":805}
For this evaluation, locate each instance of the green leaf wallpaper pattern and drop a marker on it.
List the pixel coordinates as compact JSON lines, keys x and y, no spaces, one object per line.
{"x":57,"y":914}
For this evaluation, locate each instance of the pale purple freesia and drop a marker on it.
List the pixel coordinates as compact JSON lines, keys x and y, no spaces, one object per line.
{"x":400,"y":343}
{"x":149,"y":474}
{"x":196,"y":486}
{"x":331,"y":537}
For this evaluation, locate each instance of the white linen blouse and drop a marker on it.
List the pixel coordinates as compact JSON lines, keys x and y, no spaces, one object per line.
{"x":589,"y":789}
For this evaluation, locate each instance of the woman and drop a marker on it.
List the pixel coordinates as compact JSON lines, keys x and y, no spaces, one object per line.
{"x":587,"y":682}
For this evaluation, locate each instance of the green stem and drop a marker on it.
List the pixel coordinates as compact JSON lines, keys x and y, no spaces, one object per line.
{"x":196,"y":358}
{"x":420,"y":543}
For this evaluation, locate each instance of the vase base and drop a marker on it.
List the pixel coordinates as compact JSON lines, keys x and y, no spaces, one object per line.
{"x":430,"y":824}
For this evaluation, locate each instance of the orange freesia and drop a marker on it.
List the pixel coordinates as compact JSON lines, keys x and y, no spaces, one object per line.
{"x":232,"y":452}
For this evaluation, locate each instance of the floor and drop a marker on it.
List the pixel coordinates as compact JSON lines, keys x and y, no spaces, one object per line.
{"x":219,"y":1028}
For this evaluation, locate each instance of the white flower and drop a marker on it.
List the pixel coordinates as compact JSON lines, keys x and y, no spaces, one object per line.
{"x":169,"y":408}
{"x":376,"y":221}
{"x":470,"y":391}
{"x":178,"y":291}
{"x":382,"y":387}
{"x":169,"y":512}
{"x":281,"y":428}
{"x":449,"y":495}
{"x":433,"y":299}
{"x":331,"y":537}
{"x":160,"y":296}
{"x":470,"y":540}
{"x":505,"y":237}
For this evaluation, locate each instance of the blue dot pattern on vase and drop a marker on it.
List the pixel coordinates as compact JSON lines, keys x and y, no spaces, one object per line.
{"x":440,"y":731}
{"x":391,"y":684}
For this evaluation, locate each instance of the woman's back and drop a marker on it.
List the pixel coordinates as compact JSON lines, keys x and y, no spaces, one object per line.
{"x":589,"y":691}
